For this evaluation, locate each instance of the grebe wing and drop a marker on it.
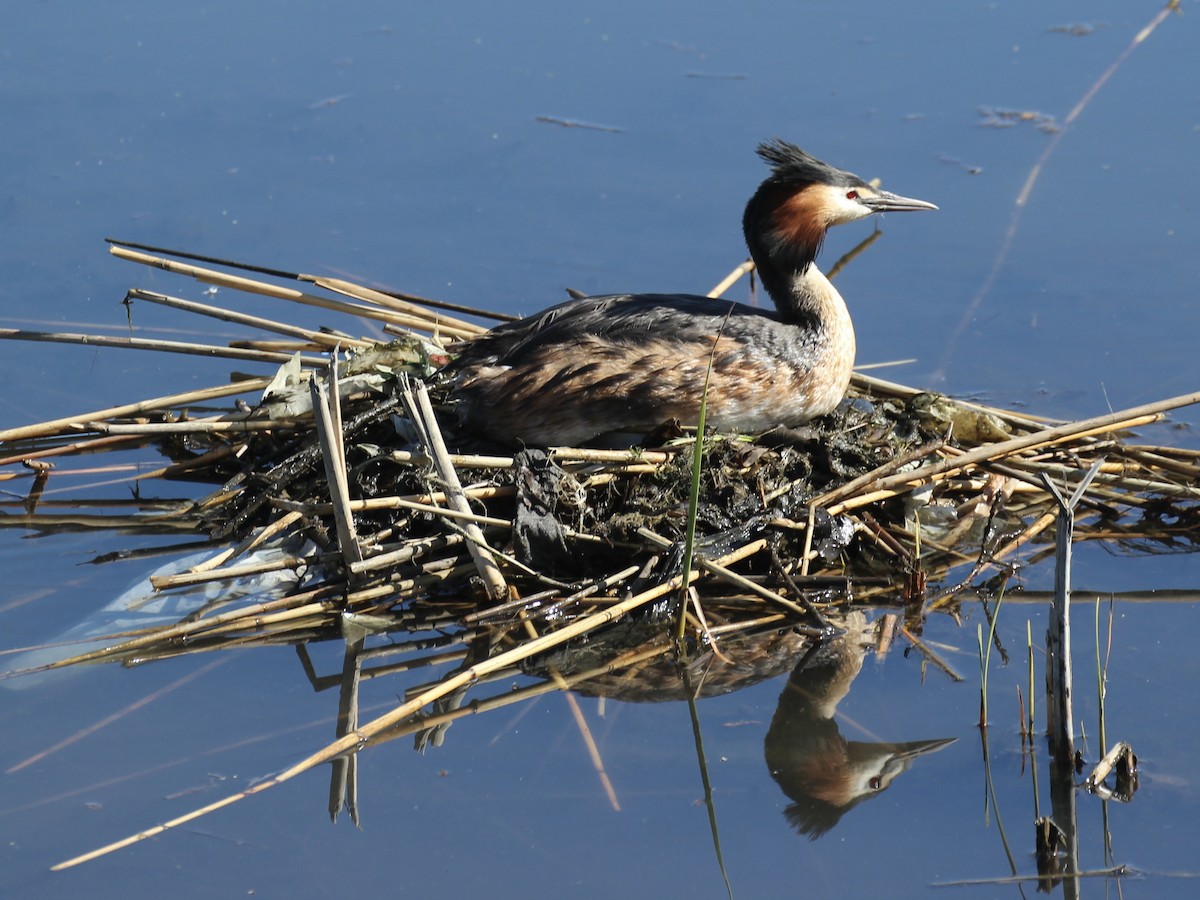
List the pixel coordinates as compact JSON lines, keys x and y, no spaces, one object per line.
{"x":620,"y":317}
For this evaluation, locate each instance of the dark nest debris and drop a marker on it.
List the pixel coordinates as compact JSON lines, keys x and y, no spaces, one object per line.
{"x":377,"y":527}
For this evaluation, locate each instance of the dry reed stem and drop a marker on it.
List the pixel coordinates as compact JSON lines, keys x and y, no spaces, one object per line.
{"x":1105,"y":767}
{"x":886,"y":364}
{"x":131,"y":523}
{"x":212,"y":351}
{"x":87,"y":445}
{"x":1145,"y":485}
{"x":296,"y":276}
{"x":329,"y":432}
{"x":74,"y":423}
{"x":731,"y":279}
{"x":225,"y":573}
{"x":808,"y":555}
{"x":382,"y":597}
{"x":251,"y":286}
{"x":149,"y":637}
{"x":290,"y":347}
{"x":405,"y":554}
{"x":887,"y":468}
{"x":871,"y":385}
{"x":320,"y":338}
{"x":576,"y":454}
{"x":430,"y":321}
{"x":476,"y":492}
{"x":421,"y":409}
{"x":459,"y":460}
{"x":928,"y":653}
{"x":400,"y":503}
{"x":748,"y":624}
{"x":1112,"y":475}
{"x":1155,"y":457}
{"x":212,"y":427}
{"x":1047,"y":437}
{"x":400,"y":324}
{"x":730,"y":576}
{"x":260,"y":537}
{"x":604,"y":584}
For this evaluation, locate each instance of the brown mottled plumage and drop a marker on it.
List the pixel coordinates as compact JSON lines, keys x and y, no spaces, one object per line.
{"x":629,"y":362}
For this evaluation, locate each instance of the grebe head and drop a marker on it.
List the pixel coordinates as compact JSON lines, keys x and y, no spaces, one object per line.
{"x":802,"y":198}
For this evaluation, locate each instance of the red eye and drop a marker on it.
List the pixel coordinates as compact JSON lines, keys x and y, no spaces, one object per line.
{"x":852,"y":195}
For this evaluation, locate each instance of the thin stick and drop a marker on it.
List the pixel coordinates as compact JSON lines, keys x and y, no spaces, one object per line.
{"x":732,"y":278}
{"x":264,"y":534}
{"x":421,"y":409}
{"x":123,"y":343}
{"x":399,"y":323}
{"x":928,"y":653}
{"x":202,"y":426}
{"x":561,"y":454}
{"x":329,"y":433}
{"x":401,"y":503}
{"x":87,"y":445}
{"x":1129,"y":418}
{"x":460,"y":460}
{"x":869,"y":384}
{"x":1104,"y":767}
{"x":730,"y":576}
{"x":852,"y":487}
{"x":154,"y":636}
{"x":250,"y":286}
{"x":204,"y":576}
{"x":317,"y":337}
{"x":296,"y":276}
{"x":387,"y":301}
{"x":406,"y":554}
{"x":57,"y":426}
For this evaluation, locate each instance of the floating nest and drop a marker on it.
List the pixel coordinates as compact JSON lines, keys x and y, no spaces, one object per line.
{"x":343,"y":506}
{"x":899,"y":498}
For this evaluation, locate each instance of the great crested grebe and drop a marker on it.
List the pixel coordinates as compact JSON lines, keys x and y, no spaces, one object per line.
{"x":630,"y":362}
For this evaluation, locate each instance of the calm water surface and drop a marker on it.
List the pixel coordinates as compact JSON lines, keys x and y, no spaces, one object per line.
{"x":400,"y":144}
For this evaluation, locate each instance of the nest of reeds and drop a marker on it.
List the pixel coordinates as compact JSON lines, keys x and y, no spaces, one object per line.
{"x":568,"y":560}
{"x":342,"y":509}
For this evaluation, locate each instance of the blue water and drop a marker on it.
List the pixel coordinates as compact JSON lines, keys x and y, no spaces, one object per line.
{"x":400,"y":145}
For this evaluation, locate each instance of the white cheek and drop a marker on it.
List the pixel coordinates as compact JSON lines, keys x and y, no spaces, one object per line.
{"x":843,"y":210}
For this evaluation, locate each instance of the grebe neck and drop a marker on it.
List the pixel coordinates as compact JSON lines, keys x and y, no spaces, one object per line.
{"x":808,"y":301}
{"x":802,"y":295}
{"x":813,"y":303}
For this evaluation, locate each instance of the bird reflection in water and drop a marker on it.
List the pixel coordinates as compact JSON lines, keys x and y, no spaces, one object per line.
{"x":823,"y":774}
